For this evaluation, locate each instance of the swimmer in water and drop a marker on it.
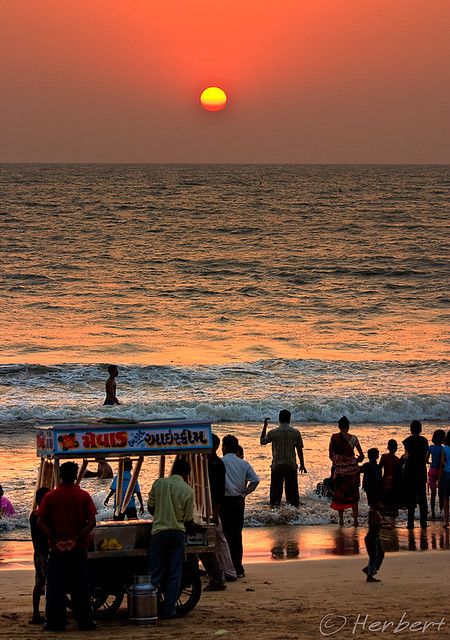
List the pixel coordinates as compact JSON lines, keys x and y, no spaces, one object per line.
{"x":111,"y":397}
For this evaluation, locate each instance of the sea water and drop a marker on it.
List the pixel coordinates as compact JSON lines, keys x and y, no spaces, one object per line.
{"x":223,"y":293}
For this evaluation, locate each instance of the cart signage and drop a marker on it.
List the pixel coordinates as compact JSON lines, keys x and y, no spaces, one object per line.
{"x":123,"y":439}
{"x":44,"y":442}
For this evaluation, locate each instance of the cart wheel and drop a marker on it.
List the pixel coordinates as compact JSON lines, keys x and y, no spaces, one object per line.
{"x":105,"y":602}
{"x":106,"y":594}
{"x":190,"y":593}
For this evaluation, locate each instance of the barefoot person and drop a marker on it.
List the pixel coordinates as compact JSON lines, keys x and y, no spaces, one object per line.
{"x":111,"y":387}
{"x":373,"y":542}
{"x":346,"y":470}
{"x":286,"y":441}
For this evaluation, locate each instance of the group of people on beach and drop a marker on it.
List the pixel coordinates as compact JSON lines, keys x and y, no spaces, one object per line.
{"x":63,"y":517}
{"x":391,"y":482}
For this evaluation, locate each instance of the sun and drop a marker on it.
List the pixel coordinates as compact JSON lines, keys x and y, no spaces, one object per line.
{"x":213,"y":99}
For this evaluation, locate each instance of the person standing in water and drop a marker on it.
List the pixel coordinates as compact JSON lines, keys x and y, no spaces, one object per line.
{"x":435,"y":451}
{"x":111,"y":387}
{"x":391,"y":467}
{"x":286,"y":442}
{"x":6,"y":508}
{"x":415,"y":474}
{"x":345,"y":470}
{"x":445,"y":477}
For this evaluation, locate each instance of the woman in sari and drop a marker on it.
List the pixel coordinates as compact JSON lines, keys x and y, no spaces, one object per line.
{"x":345,"y":471}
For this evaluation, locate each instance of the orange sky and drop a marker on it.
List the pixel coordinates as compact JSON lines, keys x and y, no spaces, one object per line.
{"x":308,"y":80}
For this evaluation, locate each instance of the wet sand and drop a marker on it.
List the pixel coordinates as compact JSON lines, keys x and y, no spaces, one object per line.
{"x":287,"y":542}
{"x":280,"y":601}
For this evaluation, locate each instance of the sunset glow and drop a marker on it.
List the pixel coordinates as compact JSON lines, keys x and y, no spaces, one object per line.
{"x":213,"y":99}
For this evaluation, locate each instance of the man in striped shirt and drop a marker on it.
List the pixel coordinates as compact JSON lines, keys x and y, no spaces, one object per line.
{"x":286,"y":441}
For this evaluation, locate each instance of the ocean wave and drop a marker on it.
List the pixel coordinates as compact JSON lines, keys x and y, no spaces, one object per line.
{"x":359,"y":410}
{"x":314,"y":390}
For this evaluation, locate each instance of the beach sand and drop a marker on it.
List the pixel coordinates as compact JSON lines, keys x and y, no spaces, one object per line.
{"x":279,"y":601}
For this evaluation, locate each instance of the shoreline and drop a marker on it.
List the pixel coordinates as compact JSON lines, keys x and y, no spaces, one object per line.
{"x":288,"y":543}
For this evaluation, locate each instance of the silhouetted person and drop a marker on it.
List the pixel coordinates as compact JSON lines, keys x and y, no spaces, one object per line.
{"x":218,"y":563}
{"x":373,"y":542}
{"x":216,"y":469}
{"x":435,"y":452}
{"x":286,"y":441}
{"x":40,"y":557}
{"x":415,"y":474}
{"x":445,"y":478}
{"x":371,"y":476}
{"x":111,"y":387}
{"x":391,"y":467}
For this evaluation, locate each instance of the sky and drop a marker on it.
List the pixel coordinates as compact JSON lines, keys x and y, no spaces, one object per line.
{"x":308,"y":81}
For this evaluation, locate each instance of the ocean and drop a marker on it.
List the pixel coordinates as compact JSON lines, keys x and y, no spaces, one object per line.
{"x":224,"y":292}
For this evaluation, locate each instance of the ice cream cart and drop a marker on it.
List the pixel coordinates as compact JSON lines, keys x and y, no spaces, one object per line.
{"x":118,"y":549}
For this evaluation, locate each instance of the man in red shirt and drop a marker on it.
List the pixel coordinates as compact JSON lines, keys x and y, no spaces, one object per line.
{"x":66,"y":516}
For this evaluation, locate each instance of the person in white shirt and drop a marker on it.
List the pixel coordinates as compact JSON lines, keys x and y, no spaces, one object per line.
{"x":240,"y":480}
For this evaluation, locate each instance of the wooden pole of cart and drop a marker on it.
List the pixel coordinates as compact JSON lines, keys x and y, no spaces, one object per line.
{"x":162,"y":466}
{"x":190,"y":458}
{"x":81,"y":470}
{"x":197,"y":484}
{"x":201,"y":486}
{"x":40,"y":474}
{"x":39,"y":481}
{"x":132,"y":484}
{"x":119,"y":486}
{"x":55,"y":476}
{"x":208,"y":502}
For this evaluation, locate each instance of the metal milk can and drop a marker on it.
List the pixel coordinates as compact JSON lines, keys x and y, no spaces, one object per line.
{"x":142,"y":601}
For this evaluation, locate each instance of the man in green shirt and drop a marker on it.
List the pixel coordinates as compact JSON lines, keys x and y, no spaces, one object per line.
{"x":171,"y":502}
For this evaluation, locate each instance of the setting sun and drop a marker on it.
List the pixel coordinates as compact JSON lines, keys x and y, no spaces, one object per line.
{"x":213,"y":99}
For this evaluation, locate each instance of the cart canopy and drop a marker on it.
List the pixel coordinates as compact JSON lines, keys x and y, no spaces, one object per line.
{"x":123,"y":438}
